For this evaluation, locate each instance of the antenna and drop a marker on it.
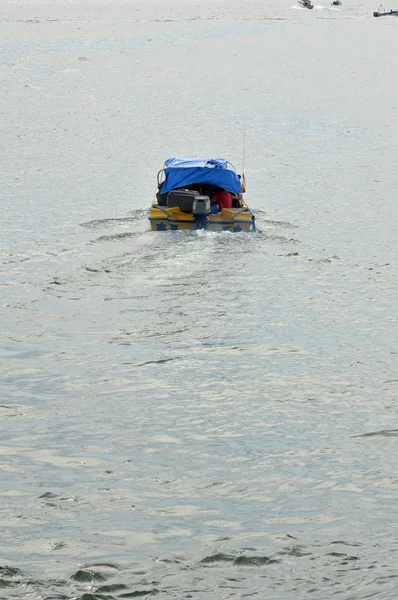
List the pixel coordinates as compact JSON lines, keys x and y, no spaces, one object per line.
{"x":243,"y":157}
{"x":244,"y":146}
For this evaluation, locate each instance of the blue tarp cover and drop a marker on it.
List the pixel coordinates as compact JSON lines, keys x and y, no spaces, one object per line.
{"x":181,"y":172}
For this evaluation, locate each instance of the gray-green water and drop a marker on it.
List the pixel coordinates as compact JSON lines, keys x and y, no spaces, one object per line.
{"x":198,"y":415}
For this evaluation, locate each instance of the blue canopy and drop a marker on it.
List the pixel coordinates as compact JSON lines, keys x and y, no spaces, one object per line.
{"x":181,"y":172}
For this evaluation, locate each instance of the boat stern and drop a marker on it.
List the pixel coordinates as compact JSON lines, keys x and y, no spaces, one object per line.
{"x":164,"y":218}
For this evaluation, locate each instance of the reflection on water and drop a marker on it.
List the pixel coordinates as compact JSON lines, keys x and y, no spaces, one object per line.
{"x":197,"y":413}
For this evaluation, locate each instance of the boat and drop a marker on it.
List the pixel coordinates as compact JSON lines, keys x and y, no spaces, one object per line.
{"x":336,"y":3}
{"x":305,"y":3}
{"x":380,"y":13}
{"x":200,"y":193}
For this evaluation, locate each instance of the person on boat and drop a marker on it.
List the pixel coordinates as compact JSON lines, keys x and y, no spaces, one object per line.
{"x":220,"y":199}
{"x":224,"y":199}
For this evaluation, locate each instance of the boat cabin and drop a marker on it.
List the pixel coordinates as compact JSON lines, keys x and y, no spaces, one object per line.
{"x":184,"y":180}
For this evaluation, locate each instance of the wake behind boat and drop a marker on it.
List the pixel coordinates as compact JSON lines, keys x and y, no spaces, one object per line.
{"x":305,"y":3}
{"x":200,"y":193}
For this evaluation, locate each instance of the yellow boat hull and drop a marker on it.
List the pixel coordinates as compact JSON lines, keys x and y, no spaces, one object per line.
{"x":164,"y":218}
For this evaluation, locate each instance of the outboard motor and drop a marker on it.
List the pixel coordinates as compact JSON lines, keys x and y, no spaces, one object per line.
{"x":182,"y":198}
{"x":201,"y":210}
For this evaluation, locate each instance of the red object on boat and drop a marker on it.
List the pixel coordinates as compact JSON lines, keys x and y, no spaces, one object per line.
{"x":223,"y":199}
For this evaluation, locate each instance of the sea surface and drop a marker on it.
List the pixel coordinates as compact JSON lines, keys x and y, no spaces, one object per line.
{"x":194,"y":414}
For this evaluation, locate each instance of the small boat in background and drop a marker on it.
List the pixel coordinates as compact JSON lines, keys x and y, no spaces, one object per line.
{"x":382,"y":13}
{"x":336,"y":3}
{"x":200,"y":193}
{"x":305,"y":3}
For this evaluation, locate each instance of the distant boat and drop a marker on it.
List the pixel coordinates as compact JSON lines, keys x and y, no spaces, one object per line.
{"x":336,"y":3}
{"x":380,"y":13}
{"x":305,"y":3}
